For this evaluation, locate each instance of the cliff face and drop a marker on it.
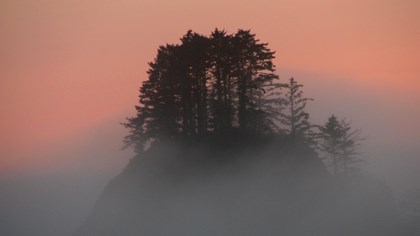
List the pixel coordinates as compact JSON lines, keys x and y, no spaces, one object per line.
{"x":264,"y":189}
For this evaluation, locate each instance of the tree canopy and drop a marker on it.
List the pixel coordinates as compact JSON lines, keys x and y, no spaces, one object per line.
{"x":222,"y":82}
{"x":205,"y":84}
{"x":340,"y":144}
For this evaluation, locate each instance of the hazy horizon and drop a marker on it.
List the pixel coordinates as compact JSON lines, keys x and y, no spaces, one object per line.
{"x":70,"y":73}
{"x":71,"y":70}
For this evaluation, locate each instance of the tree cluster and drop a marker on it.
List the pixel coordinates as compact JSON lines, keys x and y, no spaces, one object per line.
{"x":222,"y":82}
{"x":205,"y":84}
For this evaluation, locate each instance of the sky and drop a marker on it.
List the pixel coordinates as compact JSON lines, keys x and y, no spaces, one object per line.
{"x":70,"y":71}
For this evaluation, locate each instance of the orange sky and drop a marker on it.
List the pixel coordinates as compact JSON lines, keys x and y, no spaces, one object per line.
{"x":70,"y":68}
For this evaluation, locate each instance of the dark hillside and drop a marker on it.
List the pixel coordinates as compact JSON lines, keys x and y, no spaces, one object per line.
{"x":201,"y":188}
{"x":223,"y":149}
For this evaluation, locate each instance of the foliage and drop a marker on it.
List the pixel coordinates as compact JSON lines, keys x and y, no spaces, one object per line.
{"x":340,"y":144}
{"x":296,"y":118}
{"x":205,"y":85}
{"x":224,"y":82}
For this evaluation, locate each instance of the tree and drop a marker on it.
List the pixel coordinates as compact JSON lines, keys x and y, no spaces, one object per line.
{"x":254,"y":71}
{"x":296,"y":118}
{"x":340,"y":144}
{"x":204,"y":85}
{"x":191,"y":64}
{"x":153,"y":120}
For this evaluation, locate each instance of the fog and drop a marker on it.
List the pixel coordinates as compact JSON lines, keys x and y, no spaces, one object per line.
{"x":48,"y":204}
{"x":70,"y":73}
{"x":55,"y":198}
{"x":387,"y":121}
{"x":55,"y":194}
{"x":269,"y":188}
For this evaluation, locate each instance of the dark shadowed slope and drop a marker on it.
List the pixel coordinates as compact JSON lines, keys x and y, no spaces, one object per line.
{"x":208,"y":188}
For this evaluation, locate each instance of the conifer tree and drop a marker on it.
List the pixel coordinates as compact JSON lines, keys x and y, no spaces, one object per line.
{"x":339,"y":144}
{"x":203,"y":85}
{"x":296,"y":119}
{"x":255,"y":76}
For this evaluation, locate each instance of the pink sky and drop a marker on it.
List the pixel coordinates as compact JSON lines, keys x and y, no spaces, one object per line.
{"x":71,"y":69}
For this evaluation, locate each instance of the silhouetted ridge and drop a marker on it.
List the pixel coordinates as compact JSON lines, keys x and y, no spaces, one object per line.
{"x":271,"y":188}
{"x":195,"y":178}
{"x":224,"y":149}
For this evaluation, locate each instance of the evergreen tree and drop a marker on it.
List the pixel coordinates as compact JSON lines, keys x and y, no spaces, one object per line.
{"x":221,"y":71}
{"x":205,"y":84}
{"x":254,"y":77}
{"x":296,"y":119}
{"x":192,"y":63}
{"x":154,"y":119}
{"x":340,"y":144}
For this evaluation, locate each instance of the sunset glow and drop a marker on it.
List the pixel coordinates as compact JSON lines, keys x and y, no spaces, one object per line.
{"x":70,"y":69}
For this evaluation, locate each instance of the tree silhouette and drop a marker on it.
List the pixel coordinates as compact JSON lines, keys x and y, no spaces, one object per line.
{"x":296,"y":118}
{"x":254,"y":76}
{"x":340,"y":145}
{"x":204,"y":85}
